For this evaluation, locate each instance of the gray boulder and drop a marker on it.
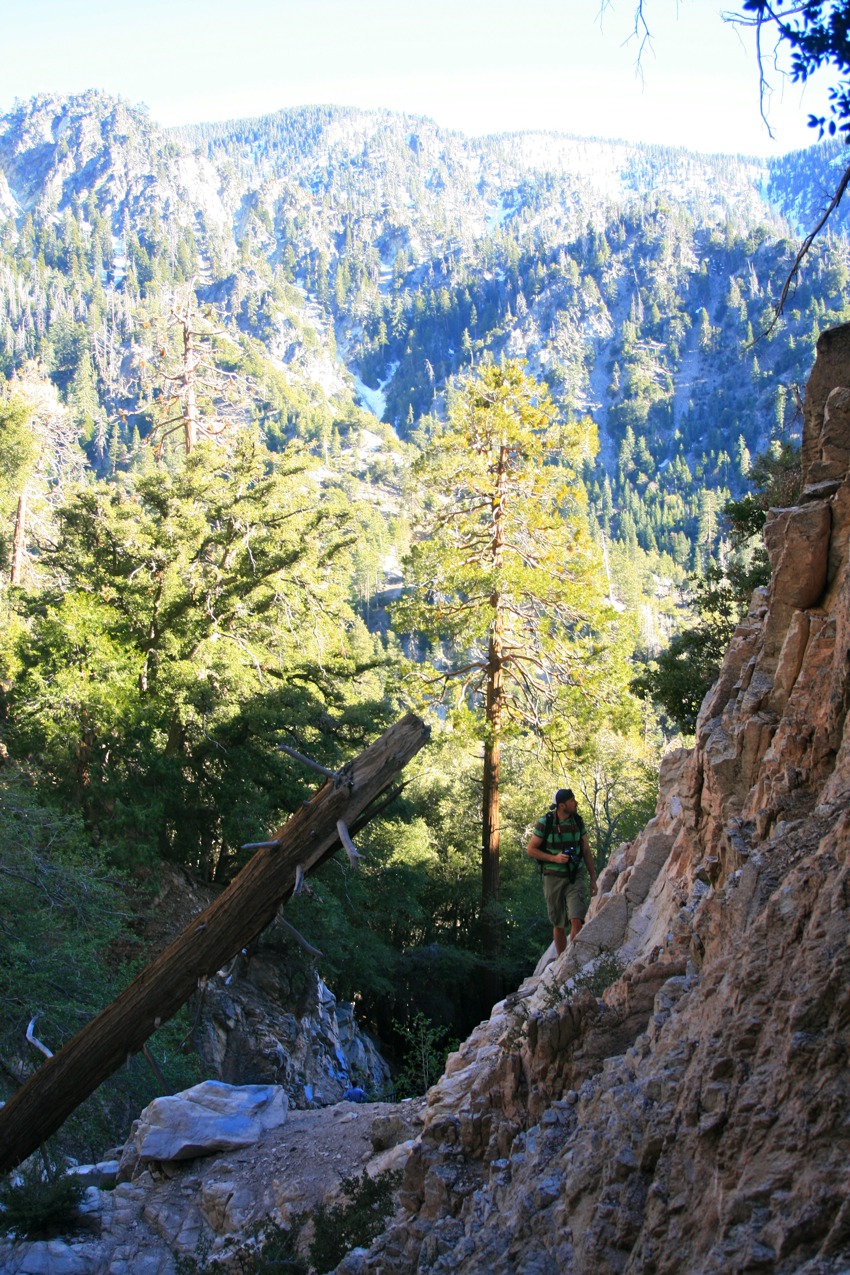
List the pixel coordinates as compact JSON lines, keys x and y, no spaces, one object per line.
{"x":207,"y":1118}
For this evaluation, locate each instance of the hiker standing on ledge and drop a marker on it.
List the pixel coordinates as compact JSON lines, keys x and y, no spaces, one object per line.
{"x":559,"y":844}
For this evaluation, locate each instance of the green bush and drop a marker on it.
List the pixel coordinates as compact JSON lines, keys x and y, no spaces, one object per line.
{"x":426,"y":1049}
{"x":42,"y":1203}
{"x":606,"y":969}
{"x":270,"y":1250}
{"x":278,"y":1253}
{"x":65,"y":935}
{"x":341,"y":1227}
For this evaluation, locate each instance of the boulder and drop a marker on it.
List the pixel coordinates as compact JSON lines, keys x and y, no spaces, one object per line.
{"x":207,"y":1118}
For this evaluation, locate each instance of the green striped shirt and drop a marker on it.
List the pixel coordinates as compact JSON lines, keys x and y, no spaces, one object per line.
{"x":565,"y":838}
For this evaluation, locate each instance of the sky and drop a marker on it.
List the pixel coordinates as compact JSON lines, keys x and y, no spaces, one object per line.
{"x":478,"y":66}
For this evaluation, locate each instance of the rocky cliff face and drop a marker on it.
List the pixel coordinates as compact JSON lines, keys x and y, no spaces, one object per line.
{"x":273,"y":1024}
{"x":695,"y":1116}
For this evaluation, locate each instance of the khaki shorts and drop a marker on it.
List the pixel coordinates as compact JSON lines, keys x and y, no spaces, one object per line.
{"x":565,"y":900}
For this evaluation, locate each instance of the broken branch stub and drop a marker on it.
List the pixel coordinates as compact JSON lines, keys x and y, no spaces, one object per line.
{"x":33,"y":1039}
{"x":347,"y":844}
{"x":236,"y":917}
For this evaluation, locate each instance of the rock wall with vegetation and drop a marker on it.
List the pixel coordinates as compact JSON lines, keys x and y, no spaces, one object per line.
{"x":698,"y":1105}
{"x":671,"y":1093}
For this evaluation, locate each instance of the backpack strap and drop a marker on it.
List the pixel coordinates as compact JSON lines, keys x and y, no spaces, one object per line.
{"x":548,"y":826}
{"x":573,"y":852}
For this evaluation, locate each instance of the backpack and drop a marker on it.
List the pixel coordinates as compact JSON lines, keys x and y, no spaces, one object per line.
{"x":574,"y":866}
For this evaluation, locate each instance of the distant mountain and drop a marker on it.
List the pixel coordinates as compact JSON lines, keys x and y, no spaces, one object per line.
{"x":358,"y":261}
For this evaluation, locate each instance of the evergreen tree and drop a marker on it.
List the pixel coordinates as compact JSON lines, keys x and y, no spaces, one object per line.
{"x":18,"y":455}
{"x":504,"y":572}
{"x":191,"y":618}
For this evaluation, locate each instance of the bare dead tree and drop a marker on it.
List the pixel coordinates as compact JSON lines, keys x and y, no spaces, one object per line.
{"x":771,"y":21}
{"x":803,"y":250}
{"x":191,"y":374}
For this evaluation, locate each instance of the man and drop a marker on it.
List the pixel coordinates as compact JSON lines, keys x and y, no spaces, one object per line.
{"x":560,"y":843}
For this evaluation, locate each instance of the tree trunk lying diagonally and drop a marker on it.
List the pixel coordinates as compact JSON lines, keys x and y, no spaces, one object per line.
{"x":245,"y":908}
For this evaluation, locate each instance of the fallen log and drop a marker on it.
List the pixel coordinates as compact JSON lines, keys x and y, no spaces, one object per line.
{"x":236,"y":917}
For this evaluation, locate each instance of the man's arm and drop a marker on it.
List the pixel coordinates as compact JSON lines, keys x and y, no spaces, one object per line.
{"x":535,"y":850}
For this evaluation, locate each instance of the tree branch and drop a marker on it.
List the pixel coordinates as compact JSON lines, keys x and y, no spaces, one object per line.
{"x":802,"y":253}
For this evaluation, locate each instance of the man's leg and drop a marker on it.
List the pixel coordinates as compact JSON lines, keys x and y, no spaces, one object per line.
{"x":576,"y":907}
{"x":554,"y":888}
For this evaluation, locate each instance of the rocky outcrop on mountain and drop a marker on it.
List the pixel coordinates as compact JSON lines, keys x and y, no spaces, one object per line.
{"x":273,"y":1021}
{"x":58,"y":150}
{"x":692,"y":1116}
{"x":268,"y":1018}
{"x":205,"y":1212}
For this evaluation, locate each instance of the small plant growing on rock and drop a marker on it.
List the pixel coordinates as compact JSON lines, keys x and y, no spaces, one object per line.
{"x":278,"y":1252}
{"x":44,"y":1201}
{"x":269,"y":1250}
{"x":339,"y":1228}
{"x":606,"y":969}
{"x":552,"y":995}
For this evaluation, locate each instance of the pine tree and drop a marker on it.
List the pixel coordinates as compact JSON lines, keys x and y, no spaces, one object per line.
{"x":504,"y":572}
{"x":190,"y":615}
{"x":18,"y":455}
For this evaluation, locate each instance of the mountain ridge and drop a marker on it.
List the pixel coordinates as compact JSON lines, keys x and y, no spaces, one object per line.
{"x":633,"y":279}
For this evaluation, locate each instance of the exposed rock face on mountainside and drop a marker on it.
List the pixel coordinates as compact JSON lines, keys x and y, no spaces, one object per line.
{"x":696,"y":1117}
{"x":260,"y":1029}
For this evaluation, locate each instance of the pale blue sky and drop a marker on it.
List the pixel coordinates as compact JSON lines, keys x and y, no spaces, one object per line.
{"x":475,"y":65}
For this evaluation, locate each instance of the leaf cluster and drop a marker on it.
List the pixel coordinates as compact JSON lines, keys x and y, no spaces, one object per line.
{"x":426,"y":1046}
{"x":40,"y":1201}
{"x":817,"y":34}
{"x":338,"y":1228}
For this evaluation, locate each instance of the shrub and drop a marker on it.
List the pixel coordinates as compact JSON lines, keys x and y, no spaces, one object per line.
{"x":270,"y":1250}
{"x":341,"y":1227}
{"x":426,"y":1049}
{"x":43,"y":1202}
{"x":604,"y":971}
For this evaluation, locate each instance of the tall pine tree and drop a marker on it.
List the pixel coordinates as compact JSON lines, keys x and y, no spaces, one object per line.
{"x":504,"y":572}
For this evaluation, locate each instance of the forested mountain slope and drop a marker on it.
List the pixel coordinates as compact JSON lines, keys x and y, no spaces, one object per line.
{"x":367,"y":257}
